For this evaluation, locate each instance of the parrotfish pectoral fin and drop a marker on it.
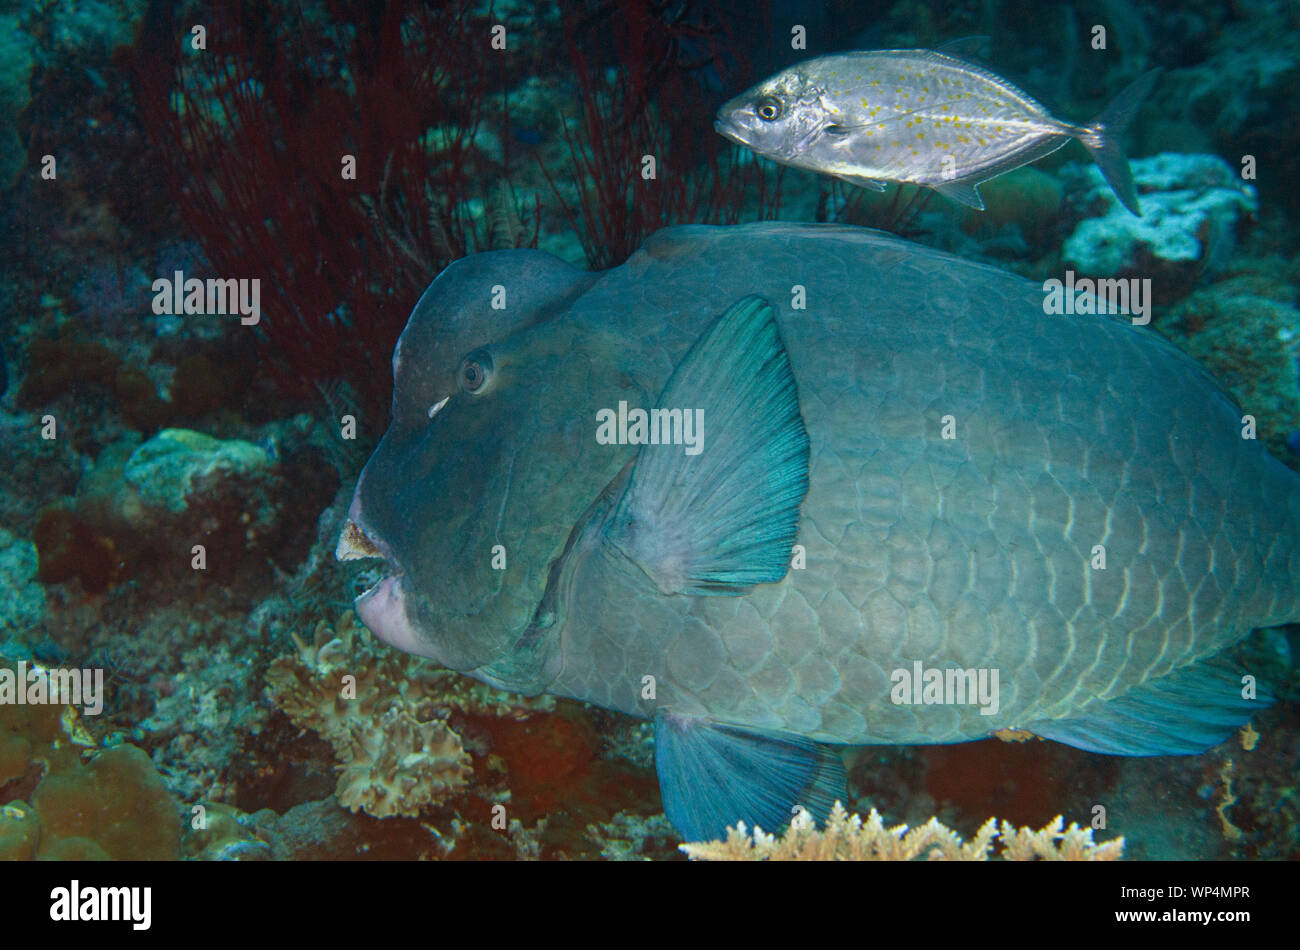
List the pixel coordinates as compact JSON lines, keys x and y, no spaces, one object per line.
{"x":713,"y":775}
{"x":966,"y":192}
{"x":869,"y":183}
{"x":1104,"y":138}
{"x":722,"y":517}
{"x":1182,"y":713}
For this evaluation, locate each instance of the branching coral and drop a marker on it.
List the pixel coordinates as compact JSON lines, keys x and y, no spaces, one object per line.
{"x":848,"y":837}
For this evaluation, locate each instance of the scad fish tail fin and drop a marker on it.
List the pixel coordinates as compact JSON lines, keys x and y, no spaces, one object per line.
{"x":1104,"y":138}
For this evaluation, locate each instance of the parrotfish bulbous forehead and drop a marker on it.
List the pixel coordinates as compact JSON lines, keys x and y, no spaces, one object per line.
{"x":475,"y":485}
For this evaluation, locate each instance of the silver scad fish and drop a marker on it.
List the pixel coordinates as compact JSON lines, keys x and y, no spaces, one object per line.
{"x":918,"y":116}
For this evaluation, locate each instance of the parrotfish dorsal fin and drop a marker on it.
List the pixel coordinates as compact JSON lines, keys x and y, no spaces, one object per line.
{"x":724,"y":518}
{"x":1181,"y":713}
{"x":713,"y":775}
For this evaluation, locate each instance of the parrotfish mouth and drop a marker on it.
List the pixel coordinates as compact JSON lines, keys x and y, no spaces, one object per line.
{"x":382,"y":607}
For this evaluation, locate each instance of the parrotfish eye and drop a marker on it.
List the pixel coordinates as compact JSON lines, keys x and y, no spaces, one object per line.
{"x":475,"y":370}
{"x":768,"y":108}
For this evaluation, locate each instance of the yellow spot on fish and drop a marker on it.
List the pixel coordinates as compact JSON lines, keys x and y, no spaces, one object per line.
{"x":864,"y":102}
{"x":920,"y":135}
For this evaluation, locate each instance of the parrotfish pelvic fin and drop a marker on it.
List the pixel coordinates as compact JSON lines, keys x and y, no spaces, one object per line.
{"x":714,"y":775}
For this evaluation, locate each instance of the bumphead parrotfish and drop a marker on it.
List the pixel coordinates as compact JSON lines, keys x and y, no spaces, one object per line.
{"x":788,"y":487}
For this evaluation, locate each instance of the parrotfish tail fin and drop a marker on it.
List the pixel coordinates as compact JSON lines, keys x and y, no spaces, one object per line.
{"x":713,"y":776}
{"x":1182,"y":713}
{"x":724,"y":519}
{"x":1104,"y":138}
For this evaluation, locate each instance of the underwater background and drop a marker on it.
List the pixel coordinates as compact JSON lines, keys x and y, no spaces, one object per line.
{"x":133,"y":147}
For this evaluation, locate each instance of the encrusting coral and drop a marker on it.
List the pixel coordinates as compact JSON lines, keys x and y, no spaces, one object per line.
{"x":848,"y":837}
{"x":385,"y":713}
{"x":63,"y":796}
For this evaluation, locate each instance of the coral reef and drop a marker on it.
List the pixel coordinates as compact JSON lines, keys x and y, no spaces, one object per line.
{"x":1192,"y":209}
{"x":196,"y":718}
{"x":177,"y":468}
{"x":115,"y":807}
{"x":163,"y":153}
{"x":491,"y":769}
{"x":144,"y":508}
{"x":1237,"y":82}
{"x":1244,"y":328}
{"x":847,"y":837}
{"x":70,"y":368}
{"x":1027,"y":198}
{"x":406,"y":90}
{"x":23,"y":605}
{"x":632,"y":837}
{"x":395,"y":750}
{"x":68,"y":548}
{"x":53,"y":805}
{"x":16,"y":61}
